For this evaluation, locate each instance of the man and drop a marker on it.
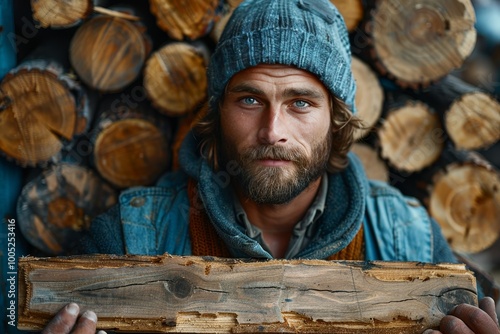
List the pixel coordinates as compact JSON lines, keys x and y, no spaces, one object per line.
{"x":267,"y":174}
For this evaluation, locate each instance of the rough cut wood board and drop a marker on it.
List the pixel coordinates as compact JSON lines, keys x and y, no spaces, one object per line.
{"x":213,"y":295}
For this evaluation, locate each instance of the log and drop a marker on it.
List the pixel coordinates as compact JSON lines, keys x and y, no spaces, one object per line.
{"x":61,"y":14}
{"x":131,"y":143}
{"x":375,"y":168}
{"x":352,"y":11}
{"x":208,"y":295}
{"x":410,"y":137}
{"x":56,"y":207}
{"x":175,"y":78}
{"x":471,"y":115}
{"x":465,"y":201}
{"x":369,"y":96}
{"x":416,"y":44}
{"x":108,"y":53}
{"x":186,"y":19}
{"x":43,"y":108}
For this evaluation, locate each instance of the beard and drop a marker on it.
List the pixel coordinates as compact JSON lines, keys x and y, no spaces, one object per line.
{"x":280,"y":184}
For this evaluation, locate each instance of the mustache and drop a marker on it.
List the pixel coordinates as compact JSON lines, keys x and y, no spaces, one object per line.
{"x":273,"y":152}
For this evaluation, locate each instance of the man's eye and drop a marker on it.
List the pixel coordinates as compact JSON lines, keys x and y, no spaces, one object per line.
{"x":301,"y":104}
{"x":249,"y":100}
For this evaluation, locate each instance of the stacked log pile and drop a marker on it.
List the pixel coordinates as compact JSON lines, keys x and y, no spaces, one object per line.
{"x":132,"y":79}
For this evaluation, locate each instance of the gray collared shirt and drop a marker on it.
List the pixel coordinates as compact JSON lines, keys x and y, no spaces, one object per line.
{"x":302,"y":232}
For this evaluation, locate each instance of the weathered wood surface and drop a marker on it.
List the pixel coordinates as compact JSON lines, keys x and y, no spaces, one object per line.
{"x":208,"y":295}
{"x":418,"y":43}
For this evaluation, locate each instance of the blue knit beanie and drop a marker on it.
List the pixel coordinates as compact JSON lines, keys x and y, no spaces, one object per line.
{"x":308,"y":34}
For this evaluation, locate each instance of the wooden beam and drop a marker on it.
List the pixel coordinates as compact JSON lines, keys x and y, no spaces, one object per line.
{"x":209,"y":295}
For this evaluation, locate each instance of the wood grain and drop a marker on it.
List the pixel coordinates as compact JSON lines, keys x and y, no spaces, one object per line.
{"x":208,"y":295}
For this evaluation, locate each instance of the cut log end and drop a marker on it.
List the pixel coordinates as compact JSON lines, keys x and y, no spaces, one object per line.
{"x":411,"y":137}
{"x":465,"y":201}
{"x":108,"y":53}
{"x":60,"y":14}
{"x":131,"y":152}
{"x":39,"y":112}
{"x":352,"y":11}
{"x":419,"y":43}
{"x":185,"y":19}
{"x":375,"y":168}
{"x":175,"y":79}
{"x":473,"y":122}
{"x":369,"y":96}
{"x":56,"y":208}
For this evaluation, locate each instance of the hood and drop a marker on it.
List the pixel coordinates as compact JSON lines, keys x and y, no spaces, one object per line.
{"x":341,"y":219}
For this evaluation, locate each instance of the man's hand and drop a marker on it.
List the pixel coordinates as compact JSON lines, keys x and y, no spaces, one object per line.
{"x":468,"y":319}
{"x":66,"y":321}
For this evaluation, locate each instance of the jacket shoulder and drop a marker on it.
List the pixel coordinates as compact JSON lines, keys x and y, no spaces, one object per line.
{"x":398,"y":226}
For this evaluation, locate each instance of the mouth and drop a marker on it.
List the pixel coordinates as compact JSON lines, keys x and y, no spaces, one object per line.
{"x":273,"y":162}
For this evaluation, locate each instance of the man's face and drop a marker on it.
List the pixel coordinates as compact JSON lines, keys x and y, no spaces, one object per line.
{"x":276,"y":124}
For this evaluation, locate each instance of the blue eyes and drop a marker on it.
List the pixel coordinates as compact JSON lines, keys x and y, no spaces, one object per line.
{"x":249,"y":100}
{"x":301,"y":104}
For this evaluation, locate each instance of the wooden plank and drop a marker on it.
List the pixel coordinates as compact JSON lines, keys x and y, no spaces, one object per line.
{"x":208,"y":295}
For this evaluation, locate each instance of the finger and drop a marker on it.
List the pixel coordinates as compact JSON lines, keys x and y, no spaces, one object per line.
{"x":487,"y":304}
{"x":86,"y":324}
{"x":451,"y":324}
{"x":476,"y":319}
{"x":431,"y":331}
{"x":63,"y":321}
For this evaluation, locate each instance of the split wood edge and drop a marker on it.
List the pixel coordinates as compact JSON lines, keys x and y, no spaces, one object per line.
{"x":208,"y":295}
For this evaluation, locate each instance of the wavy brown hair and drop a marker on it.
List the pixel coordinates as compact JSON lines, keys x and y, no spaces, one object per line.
{"x":343,"y":125}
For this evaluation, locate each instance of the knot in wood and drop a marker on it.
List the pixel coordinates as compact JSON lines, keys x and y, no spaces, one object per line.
{"x":180,"y":287}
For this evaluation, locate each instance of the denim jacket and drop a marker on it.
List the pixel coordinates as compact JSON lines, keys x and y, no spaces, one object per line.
{"x":155,"y":220}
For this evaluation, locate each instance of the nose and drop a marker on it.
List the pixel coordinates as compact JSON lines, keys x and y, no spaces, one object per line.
{"x":273,"y":128}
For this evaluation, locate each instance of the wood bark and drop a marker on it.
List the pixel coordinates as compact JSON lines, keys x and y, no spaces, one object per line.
{"x":43,"y":108}
{"x":131,"y":143}
{"x":108,"y":53}
{"x":57,"y":206}
{"x":369,"y":96}
{"x":465,"y":201}
{"x":416,"y":44}
{"x":186,"y":19}
{"x":471,"y":116}
{"x":209,"y":295}
{"x":410,"y":135}
{"x":175,"y":78}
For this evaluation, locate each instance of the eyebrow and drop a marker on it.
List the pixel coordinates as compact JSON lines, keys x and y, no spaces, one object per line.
{"x":289,"y":92}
